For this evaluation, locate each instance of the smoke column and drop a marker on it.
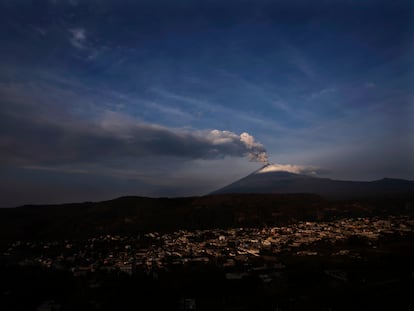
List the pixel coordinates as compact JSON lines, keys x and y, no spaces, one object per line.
{"x":229,"y":143}
{"x":255,"y":151}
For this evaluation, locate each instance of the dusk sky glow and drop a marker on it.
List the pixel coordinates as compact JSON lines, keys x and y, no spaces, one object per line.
{"x":101,"y":98}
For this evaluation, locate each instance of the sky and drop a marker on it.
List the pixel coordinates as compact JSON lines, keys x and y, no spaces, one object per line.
{"x":100,"y":98}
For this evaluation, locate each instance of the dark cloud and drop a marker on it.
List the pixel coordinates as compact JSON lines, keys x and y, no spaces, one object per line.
{"x":29,"y":137}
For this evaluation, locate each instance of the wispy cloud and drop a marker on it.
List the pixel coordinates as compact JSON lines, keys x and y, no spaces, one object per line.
{"x":209,"y":107}
{"x":169,"y":110}
{"x":300,"y":61}
{"x":77,"y":37}
{"x":40,"y":31}
{"x":297,"y":169}
{"x":323,"y":92}
{"x":199,"y":103}
{"x":270,"y":96}
{"x":370,"y":85}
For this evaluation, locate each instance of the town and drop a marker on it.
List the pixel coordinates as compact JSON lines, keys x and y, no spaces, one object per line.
{"x":340,"y":264}
{"x":239,"y":251}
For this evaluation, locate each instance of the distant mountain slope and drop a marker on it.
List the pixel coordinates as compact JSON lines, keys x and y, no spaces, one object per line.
{"x":266,"y":180}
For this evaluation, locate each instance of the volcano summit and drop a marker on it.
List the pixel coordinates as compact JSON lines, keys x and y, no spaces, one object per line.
{"x":274,"y":178}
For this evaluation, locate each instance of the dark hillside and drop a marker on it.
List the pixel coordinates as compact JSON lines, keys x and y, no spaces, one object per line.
{"x":132,"y":215}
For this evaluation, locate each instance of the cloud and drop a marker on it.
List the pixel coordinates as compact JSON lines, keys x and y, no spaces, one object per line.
{"x":204,"y":106}
{"x":41,"y":124}
{"x":370,"y":85}
{"x":323,"y":92}
{"x":300,"y":60}
{"x":257,"y":152}
{"x":291,"y":168}
{"x":112,"y":135}
{"x":78,"y":37}
{"x":169,"y":111}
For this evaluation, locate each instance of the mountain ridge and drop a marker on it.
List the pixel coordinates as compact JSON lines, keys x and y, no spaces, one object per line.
{"x":265,"y":180}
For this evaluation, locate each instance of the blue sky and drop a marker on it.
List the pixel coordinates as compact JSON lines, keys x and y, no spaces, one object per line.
{"x":107,"y":98}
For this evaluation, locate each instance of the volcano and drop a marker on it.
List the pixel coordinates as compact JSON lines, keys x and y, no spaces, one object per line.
{"x":270,"y":179}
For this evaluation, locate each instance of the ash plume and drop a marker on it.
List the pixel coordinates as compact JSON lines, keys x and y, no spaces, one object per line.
{"x":229,"y":143}
{"x":256,"y":151}
{"x":113,"y":137}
